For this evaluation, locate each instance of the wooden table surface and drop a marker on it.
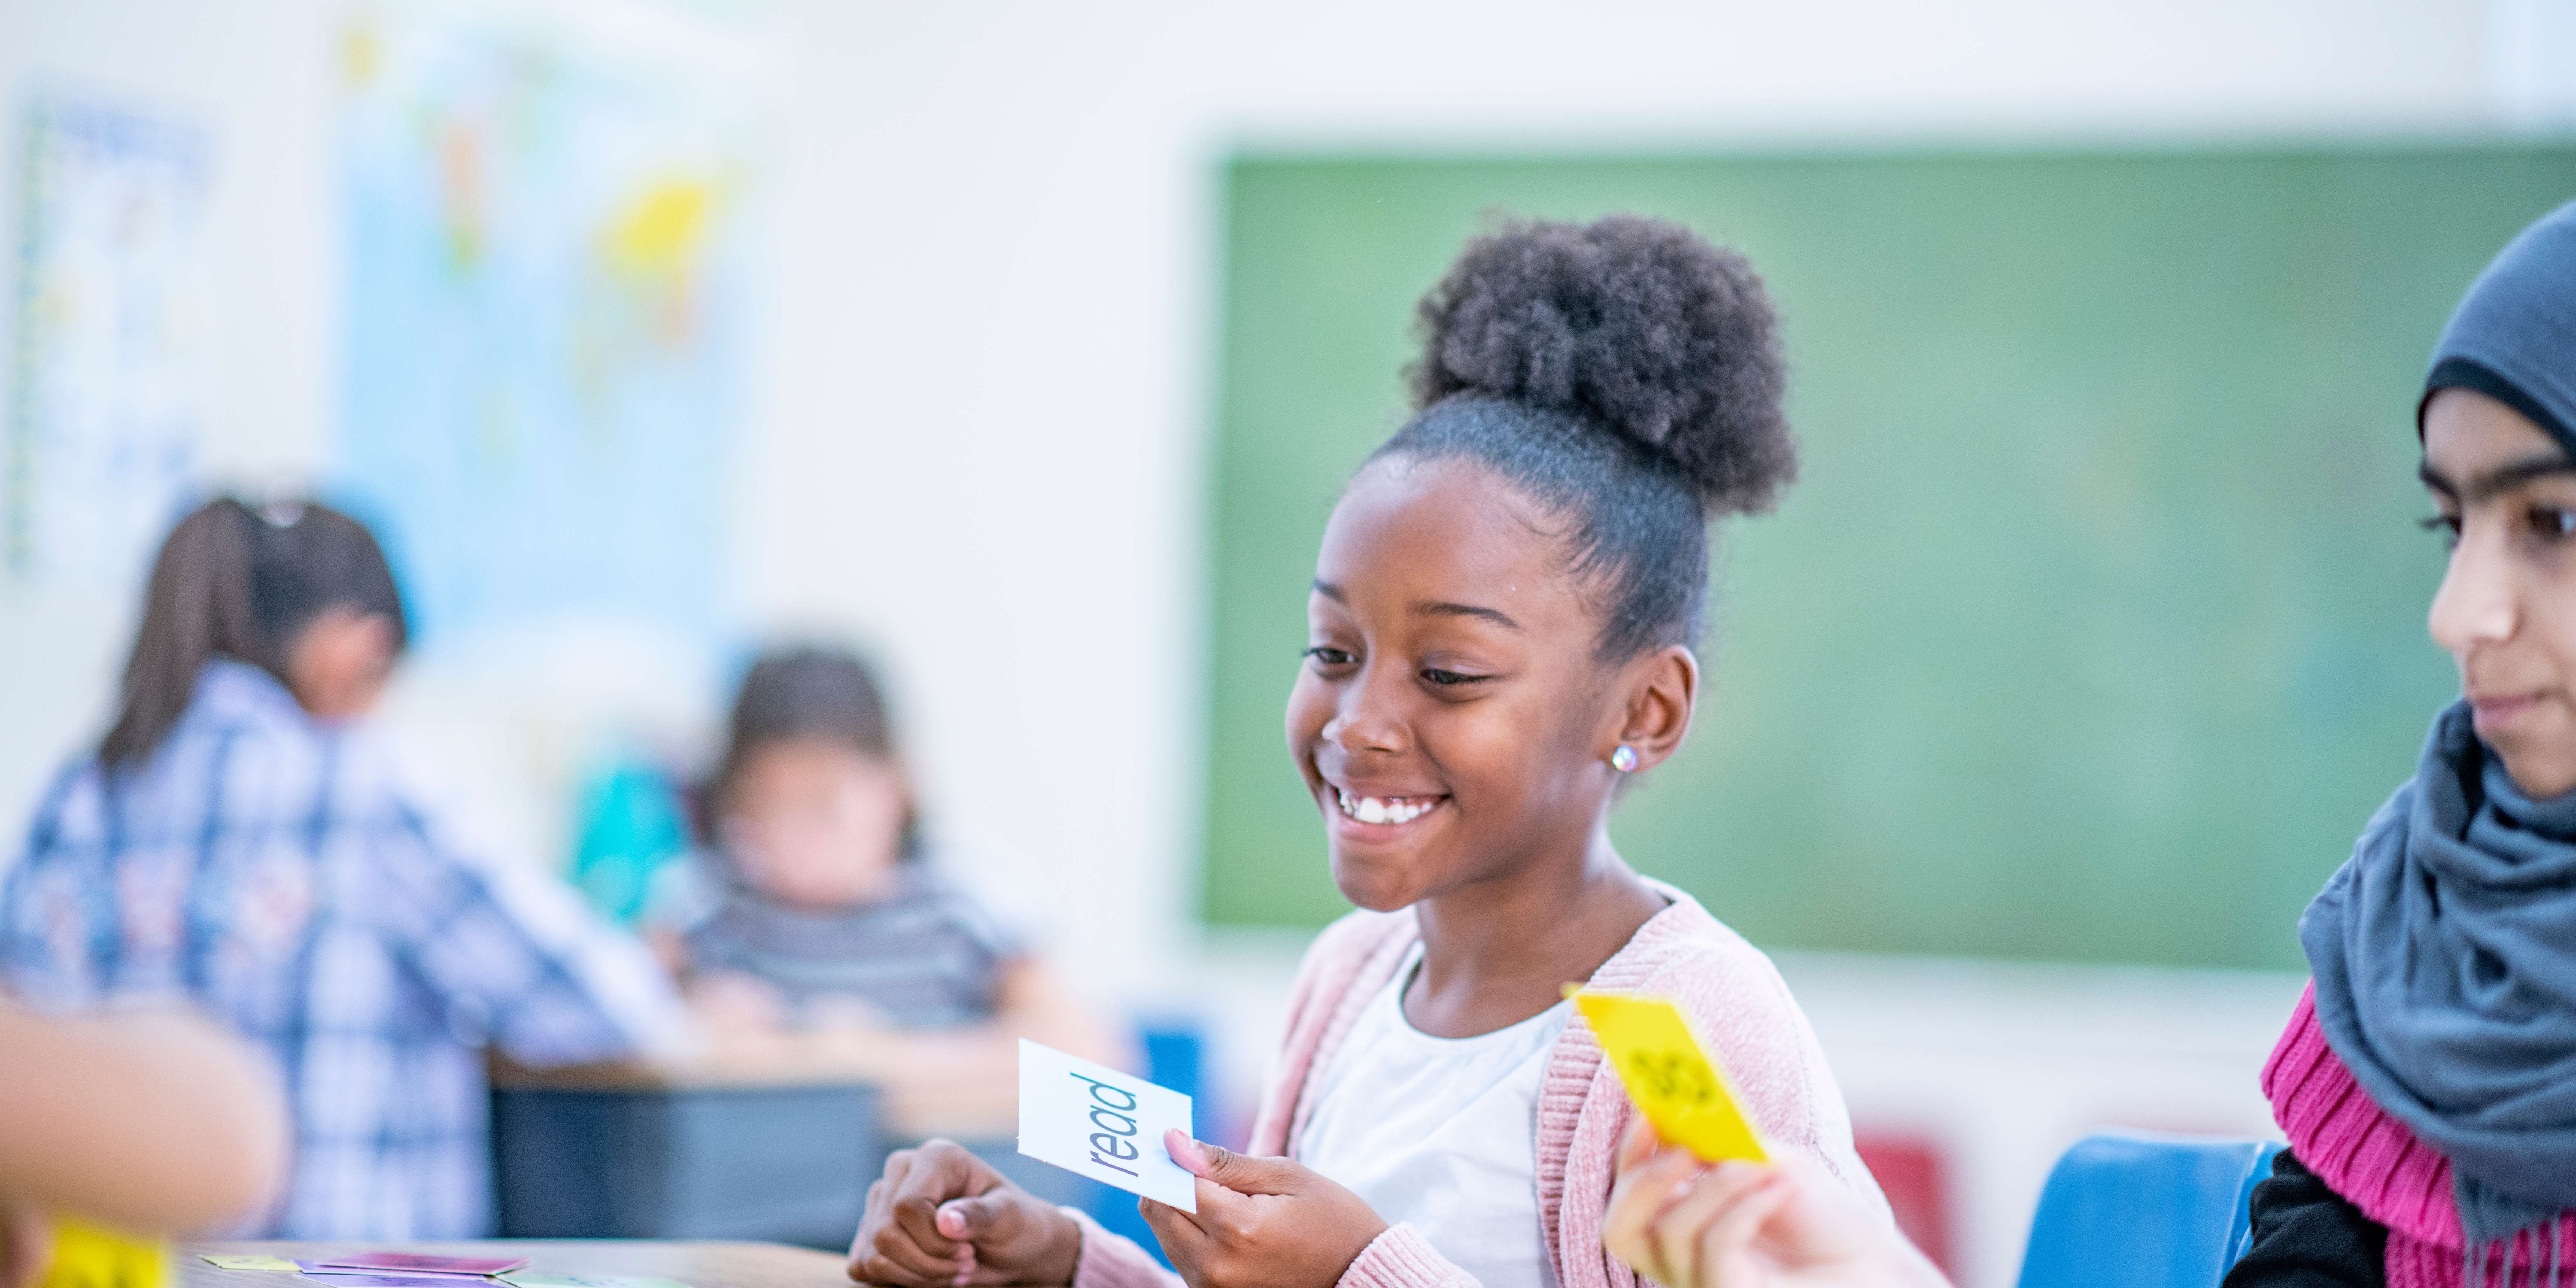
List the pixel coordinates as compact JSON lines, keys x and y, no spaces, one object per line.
{"x":699,"y":1265}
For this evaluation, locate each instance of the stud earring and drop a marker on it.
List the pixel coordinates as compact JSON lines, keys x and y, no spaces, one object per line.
{"x":1624,"y":759}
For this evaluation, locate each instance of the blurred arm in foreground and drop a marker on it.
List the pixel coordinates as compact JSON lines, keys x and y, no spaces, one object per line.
{"x":154,"y":1122}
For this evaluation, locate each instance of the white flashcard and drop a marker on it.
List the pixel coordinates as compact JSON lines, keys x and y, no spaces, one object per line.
{"x":1094,"y":1121}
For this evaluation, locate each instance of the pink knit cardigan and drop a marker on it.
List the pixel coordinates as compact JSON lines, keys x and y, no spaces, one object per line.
{"x":2378,"y":1165}
{"x":1729,"y":989}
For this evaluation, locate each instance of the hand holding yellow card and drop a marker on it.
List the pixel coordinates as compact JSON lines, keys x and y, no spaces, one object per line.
{"x":1673,"y":1082}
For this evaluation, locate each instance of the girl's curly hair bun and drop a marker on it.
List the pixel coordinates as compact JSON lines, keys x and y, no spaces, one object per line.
{"x":1634,"y":325}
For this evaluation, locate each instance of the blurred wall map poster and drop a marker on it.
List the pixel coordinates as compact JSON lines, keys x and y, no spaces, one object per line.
{"x":547,"y":296}
{"x":110,"y":316}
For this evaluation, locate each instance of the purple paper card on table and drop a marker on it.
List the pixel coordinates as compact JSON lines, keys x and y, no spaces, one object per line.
{"x":374,"y":1279}
{"x":422,"y":1263}
{"x":334,"y":1270}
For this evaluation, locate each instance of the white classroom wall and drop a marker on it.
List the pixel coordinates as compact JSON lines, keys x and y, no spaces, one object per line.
{"x":981,"y":429}
{"x":982,"y":411}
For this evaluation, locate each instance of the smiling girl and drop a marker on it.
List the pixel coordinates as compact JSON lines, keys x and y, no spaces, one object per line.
{"x":1500,"y":634}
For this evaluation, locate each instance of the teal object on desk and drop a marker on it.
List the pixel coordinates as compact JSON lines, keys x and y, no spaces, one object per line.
{"x":2138,"y":1210}
{"x":632,"y":822}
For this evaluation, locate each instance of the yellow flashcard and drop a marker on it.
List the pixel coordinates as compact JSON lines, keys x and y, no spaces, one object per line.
{"x":1671,"y":1079}
{"x":86,"y":1256}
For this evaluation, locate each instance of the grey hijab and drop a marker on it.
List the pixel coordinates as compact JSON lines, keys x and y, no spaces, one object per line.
{"x":2513,"y":337}
{"x":2445,"y":960}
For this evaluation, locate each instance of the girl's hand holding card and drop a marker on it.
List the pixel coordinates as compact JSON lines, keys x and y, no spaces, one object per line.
{"x":1261,"y":1223}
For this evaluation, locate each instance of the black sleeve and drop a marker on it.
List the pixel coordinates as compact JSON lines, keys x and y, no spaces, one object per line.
{"x":2307,"y":1236}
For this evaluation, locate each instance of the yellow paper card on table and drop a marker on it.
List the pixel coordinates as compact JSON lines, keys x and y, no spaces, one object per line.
{"x":1670,"y":1077}
{"x":86,"y":1256}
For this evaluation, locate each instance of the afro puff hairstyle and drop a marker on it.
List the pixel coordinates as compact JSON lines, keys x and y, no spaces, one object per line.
{"x":1625,"y":374}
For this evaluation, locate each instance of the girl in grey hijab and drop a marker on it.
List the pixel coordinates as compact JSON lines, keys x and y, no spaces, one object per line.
{"x":2445,"y":950}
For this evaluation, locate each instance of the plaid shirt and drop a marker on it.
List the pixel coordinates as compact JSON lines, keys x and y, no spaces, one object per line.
{"x":270,"y":870}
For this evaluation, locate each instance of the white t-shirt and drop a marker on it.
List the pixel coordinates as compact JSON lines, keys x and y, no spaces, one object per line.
{"x":1441,"y":1132}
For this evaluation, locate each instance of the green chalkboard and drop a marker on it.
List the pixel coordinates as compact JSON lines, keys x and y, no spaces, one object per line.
{"x":2094,"y":627}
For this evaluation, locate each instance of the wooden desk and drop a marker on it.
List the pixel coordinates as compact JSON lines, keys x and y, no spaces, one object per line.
{"x":699,"y":1265}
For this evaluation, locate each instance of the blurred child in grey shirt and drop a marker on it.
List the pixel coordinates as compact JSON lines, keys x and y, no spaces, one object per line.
{"x":826,"y":924}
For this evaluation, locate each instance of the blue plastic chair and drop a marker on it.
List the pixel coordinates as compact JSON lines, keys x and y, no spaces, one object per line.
{"x":2136,"y":1210}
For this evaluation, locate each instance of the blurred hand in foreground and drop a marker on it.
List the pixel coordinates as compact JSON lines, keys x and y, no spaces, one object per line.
{"x":26,"y":1243}
{"x":943,"y":1218}
{"x":1685,"y":1224}
{"x":154,"y":1123}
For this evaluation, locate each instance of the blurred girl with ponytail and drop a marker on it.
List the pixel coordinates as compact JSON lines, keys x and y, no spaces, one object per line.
{"x":238,"y":841}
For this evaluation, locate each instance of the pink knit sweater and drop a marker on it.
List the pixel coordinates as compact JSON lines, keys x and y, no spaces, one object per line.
{"x":1729,"y":989}
{"x":2377,"y":1165}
